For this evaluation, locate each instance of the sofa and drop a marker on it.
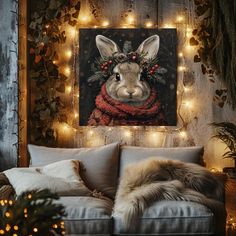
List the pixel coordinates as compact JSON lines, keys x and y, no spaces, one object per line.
{"x":101,"y":170}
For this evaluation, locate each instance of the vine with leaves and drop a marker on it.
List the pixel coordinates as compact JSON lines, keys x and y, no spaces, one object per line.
{"x":216,"y":35}
{"x":45,"y":34}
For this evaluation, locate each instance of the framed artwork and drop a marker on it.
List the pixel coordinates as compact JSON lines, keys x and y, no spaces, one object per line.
{"x":127,"y":77}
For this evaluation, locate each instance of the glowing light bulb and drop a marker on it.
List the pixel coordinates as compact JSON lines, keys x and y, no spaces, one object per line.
{"x":187,"y":89}
{"x":67,"y":71}
{"x":105,"y":23}
{"x":127,"y":133}
{"x":180,"y":18}
{"x":16,"y":227}
{"x":181,"y":54}
{"x":84,"y":18}
{"x":68,"y":54}
{"x":76,"y":114}
{"x":68,"y":89}
{"x":95,"y":26}
{"x":188,"y":32}
{"x":65,"y":127}
{"x":35,"y":230}
{"x":130,"y":19}
{"x":8,"y":227}
{"x":148,"y":24}
{"x":188,"y":104}
{"x":47,"y":26}
{"x":90,"y":132}
{"x":2,"y":231}
{"x":54,"y":62}
{"x":183,"y":134}
{"x":181,"y":68}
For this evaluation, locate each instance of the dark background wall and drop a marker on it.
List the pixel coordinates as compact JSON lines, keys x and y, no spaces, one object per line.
{"x":8,"y":83}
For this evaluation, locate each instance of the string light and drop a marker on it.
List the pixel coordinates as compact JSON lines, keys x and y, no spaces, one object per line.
{"x":127,"y":133}
{"x":105,"y":23}
{"x":35,"y":230}
{"x":2,"y":231}
{"x":68,"y":54}
{"x":7,"y":214}
{"x":181,"y":68}
{"x":188,"y":104}
{"x":76,"y":115}
{"x":181,"y":54}
{"x":183,"y":134}
{"x":180,"y":18}
{"x":148,"y":24}
{"x":130,"y":19}
{"x":68,"y":89}
{"x":67,"y":71}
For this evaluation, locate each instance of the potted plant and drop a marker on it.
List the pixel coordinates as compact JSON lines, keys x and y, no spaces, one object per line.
{"x":226,"y":132}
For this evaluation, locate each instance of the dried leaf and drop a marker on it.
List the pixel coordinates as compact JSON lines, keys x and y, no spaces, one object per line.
{"x":196,"y":59}
{"x":37,"y":58}
{"x":193,"y":42}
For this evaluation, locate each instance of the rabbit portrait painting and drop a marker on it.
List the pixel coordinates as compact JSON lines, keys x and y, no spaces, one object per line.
{"x":127,"y":81}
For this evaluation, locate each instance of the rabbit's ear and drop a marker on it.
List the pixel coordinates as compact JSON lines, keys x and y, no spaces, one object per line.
{"x":106,"y":46}
{"x":149,"y":47}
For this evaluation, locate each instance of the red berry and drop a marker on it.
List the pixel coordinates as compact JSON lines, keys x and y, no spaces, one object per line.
{"x":102,"y":67}
{"x":151,"y":72}
{"x":156,"y":66}
{"x":106,"y":63}
{"x":153,"y":68}
{"x":110,"y":62}
{"x":134,"y":57}
{"x":105,"y":68}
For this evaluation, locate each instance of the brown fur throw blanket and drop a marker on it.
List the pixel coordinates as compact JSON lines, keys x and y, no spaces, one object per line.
{"x":155,"y":180}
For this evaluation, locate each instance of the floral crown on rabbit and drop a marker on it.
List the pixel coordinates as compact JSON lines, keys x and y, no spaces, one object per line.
{"x":103,"y":66}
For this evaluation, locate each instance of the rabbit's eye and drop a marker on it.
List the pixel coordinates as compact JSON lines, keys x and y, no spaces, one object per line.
{"x":117,"y":77}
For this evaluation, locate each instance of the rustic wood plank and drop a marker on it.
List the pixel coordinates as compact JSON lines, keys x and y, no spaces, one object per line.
{"x":8,"y":84}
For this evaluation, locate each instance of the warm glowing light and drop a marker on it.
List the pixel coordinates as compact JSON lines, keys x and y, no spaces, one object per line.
{"x":76,"y":114}
{"x":29,"y":196}
{"x":71,"y":31}
{"x":7,"y":214}
{"x":124,"y":26}
{"x":47,"y":26}
{"x":183,"y":134}
{"x":68,"y":89}
{"x":127,"y":133}
{"x":8,"y":227}
{"x":67,"y":71}
{"x":167,"y":25}
{"x":130,"y":19}
{"x":16,"y":227}
{"x":54,"y":62}
{"x":2,"y":231}
{"x":187,"y":89}
{"x":84,"y":18}
{"x":180,"y":18}
{"x":189,"y":32}
{"x":105,"y":23}
{"x":65,"y":127}
{"x":55,"y":226}
{"x":14,"y":235}
{"x":181,"y":54}
{"x":10,"y":202}
{"x":35,"y":230}
{"x":95,"y":26}
{"x":181,"y":68}
{"x":188,"y":104}
{"x":68,"y":54}
{"x":90,"y":132}
{"x":149,"y":24}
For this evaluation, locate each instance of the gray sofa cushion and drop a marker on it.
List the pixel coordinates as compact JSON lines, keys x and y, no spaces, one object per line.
{"x":87,"y":215}
{"x":131,"y":154}
{"x":174,"y":218}
{"x":100,"y":163}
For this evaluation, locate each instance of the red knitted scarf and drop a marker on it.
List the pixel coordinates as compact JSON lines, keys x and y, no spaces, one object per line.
{"x":109,"y":111}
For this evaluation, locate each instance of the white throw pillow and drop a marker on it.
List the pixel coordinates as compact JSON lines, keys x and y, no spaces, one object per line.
{"x":61,"y":178}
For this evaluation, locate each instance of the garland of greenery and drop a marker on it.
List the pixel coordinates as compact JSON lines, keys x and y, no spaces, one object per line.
{"x":33,"y":213}
{"x":104,"y":67}
{"x":217,"y":34}
{"x":44,"y":35}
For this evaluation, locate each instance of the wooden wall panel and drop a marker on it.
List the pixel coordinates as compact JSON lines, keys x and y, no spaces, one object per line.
{"x":8,"y":84}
